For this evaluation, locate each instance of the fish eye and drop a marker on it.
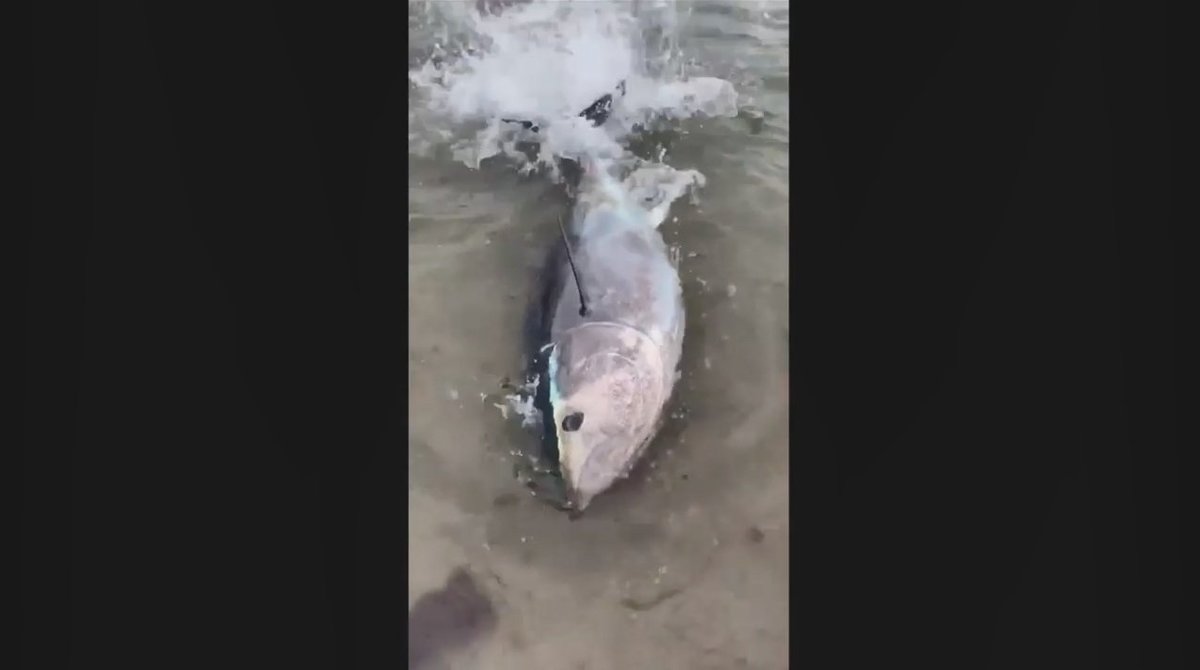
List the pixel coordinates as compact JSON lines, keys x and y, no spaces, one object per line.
{"x":572,"y":422}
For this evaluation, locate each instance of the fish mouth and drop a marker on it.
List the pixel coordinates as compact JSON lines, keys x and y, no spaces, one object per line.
{"x":594,"y":476}
{"x":575,"y":502}
{"x":576,"y":499}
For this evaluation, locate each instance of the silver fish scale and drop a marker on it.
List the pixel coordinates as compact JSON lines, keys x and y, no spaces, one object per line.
{"x":616,"y":364}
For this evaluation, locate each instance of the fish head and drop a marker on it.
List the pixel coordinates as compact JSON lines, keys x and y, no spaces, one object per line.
{"x":607,"y":393}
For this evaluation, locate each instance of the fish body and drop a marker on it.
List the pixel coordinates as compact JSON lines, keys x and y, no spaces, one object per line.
{"x":604,"y":374}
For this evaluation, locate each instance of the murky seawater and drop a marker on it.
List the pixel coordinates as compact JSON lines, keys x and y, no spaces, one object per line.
{"x":684,"y":565}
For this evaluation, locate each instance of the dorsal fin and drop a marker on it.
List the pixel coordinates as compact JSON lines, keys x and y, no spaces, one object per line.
{"x":597,"y":112}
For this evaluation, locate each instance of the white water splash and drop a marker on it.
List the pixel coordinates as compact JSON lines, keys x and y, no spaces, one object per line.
{"x":544,"y":62}
{"x":522,"y":404}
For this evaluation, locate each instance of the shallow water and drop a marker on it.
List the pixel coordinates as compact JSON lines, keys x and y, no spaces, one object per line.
{"x":684,"y":565}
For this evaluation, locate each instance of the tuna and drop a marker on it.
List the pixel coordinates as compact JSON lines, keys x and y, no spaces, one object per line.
{"x":607,"y":334}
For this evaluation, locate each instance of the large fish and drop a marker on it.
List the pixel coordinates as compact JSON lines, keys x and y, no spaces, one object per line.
{"x":604,"y":373}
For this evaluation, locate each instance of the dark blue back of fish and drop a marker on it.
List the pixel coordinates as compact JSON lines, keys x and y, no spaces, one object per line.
{"x":545,"y":479}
